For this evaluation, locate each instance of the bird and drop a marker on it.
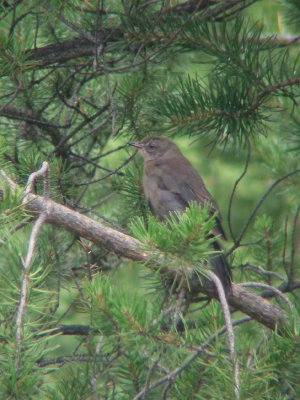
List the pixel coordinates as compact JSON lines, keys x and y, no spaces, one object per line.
{"x":170,"y":183}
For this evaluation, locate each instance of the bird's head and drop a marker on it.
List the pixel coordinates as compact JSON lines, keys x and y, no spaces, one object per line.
{"x":156,"y":147}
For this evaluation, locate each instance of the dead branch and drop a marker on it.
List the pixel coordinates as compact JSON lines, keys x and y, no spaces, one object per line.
{"x":230,"y":333}
{"x":28,"y":260}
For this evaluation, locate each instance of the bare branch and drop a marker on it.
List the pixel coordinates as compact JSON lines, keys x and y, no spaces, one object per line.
{"x":25,"y":279}
{"x":67,"y":359}
{"x":129,"y":247}
{"x":28,"y":116}
{"x":31,"y":247}
{"x":230,"y":333}
{"x":282,"y":40}
{"x":171,"y":375}
{"x":115,"y":171}
{"x":223,"y":330}
{"x":284,"y":287}
{"x":10,"y":182}
{"x":35,"y":175}
{"x":261,"y":270}
{"x":234,"y":190}
{"x":81,"y":330}
{"x":273,"y":289}
{"x":231,"y":6}
{"x":256,"y":208}
{"x":64,"y":140}
{"x":124,"y":245}
{"x":35,"y":119}
{"x":291,"y":273}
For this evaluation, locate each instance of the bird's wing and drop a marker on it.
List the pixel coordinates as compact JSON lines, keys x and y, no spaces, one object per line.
{"x":183,"y":182}
{"x":204,"y":197}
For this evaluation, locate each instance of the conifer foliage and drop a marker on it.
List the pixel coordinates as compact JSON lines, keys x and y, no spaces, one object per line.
{"x":99,"y":299}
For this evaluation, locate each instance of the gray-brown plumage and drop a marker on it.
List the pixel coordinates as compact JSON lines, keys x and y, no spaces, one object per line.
{"x":170,"y":182}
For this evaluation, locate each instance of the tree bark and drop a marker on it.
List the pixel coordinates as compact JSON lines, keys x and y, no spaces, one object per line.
{"x":83,"y":47}
{"x":124,"y":245}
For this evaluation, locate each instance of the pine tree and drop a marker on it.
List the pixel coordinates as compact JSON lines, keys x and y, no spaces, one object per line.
{"x":100,"y":300}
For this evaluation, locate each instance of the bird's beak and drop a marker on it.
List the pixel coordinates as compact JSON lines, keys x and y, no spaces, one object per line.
{"x":135,"y":144}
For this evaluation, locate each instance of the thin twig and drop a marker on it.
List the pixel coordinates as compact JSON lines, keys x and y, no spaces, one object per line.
{"x":268,"y":287}
{"x":170,"y":376}
{"x":149,"y":375}
{"x":256,"y":208}
{"x":291,"y":274}
{"x":34,"y":176}
{"x":230,"y":333}
{"x":223,"y":330}
{"x":79,"y":127}
{"x":17,"y":227}
{"x":284,"y":287}
{"x":25,"y":279}
{"x":234,"y":190}
{"x":284,"y":261}
{"x":10,"y":182}
{"x":164,"y":394}
{"x":28,"y":260}
{"x":66,"y":359}
{"x":124,"y":163}
{"x":261,"y":270}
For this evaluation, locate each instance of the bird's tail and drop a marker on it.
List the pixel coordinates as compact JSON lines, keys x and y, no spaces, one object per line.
{"x":221,"y":267}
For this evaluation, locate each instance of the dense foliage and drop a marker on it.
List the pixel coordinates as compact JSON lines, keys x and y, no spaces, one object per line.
{"x":78,"y":80}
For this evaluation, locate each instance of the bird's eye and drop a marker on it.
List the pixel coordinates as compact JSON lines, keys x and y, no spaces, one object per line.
{"x":151,"y":146}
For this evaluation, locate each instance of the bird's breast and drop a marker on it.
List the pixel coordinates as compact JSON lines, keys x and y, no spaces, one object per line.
{"x":162,"y":199}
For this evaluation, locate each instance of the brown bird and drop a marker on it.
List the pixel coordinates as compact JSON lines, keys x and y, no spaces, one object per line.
{"x":170,"y":182}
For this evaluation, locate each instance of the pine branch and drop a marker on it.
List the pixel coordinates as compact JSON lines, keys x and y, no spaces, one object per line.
{"x":33,"y":118}
{"x":67,"y":359}
{"x":83,"y":47}
{"x":73,"y":329}
{"x":28,"y":116}
{"x":126,"y":246}
{"x":7,"y":8}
